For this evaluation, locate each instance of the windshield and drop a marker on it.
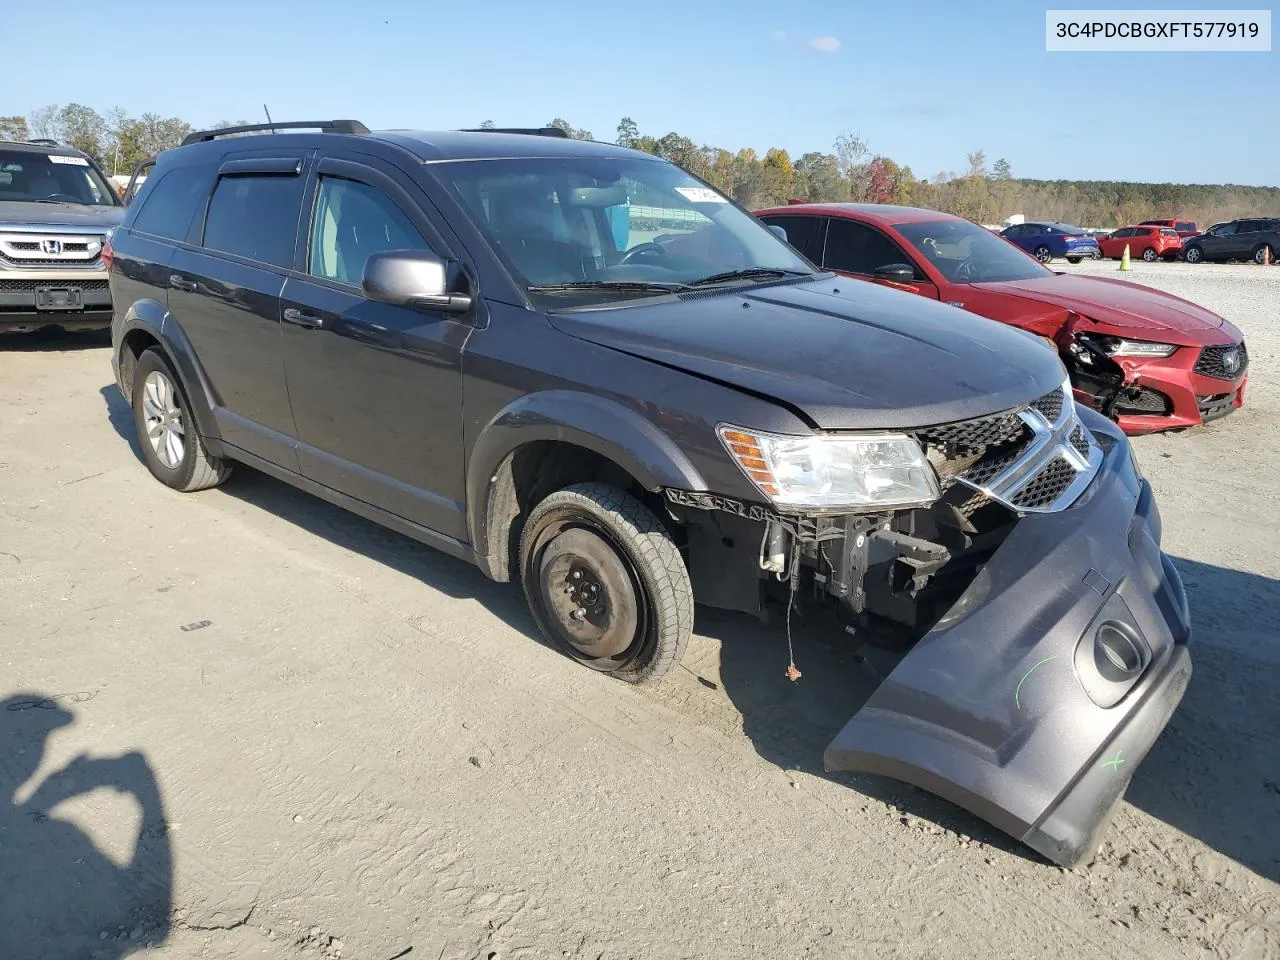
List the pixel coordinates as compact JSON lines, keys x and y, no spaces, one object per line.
{"x":27,"y":176}
{"x":964,"y":252}
{"x":585,"y":231}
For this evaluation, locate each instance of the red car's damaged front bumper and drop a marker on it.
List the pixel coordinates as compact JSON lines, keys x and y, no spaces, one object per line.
{"x":1186,"y":389}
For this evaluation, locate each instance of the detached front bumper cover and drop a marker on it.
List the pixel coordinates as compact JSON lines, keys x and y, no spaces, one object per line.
{"x":1034,"y":699}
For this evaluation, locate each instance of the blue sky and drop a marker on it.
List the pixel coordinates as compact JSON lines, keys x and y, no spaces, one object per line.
{"x":924,"y":83}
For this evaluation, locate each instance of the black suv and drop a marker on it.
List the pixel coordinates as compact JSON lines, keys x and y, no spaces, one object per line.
{"x":579,"y":367}
{"x":56,"y":209}
{"x":1256,"y":239}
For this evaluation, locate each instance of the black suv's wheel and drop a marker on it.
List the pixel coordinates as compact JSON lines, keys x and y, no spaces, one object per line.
{"x":1193,"y":254}
{"x":606,"y":583}
{"x":1264,"y":254}
{"x":1043,"y":254}
{"x":171,"y":446}
{"x":1150,"y":255}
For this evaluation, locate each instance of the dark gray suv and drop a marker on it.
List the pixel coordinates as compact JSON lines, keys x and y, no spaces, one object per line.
{"x":579,"y":367}
{"x":1256,"y":239}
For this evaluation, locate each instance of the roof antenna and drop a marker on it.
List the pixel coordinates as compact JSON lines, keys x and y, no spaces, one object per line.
{"x":269,"y":120}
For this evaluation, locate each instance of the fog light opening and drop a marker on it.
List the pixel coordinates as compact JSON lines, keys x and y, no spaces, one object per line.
{"x":1118,"y":654}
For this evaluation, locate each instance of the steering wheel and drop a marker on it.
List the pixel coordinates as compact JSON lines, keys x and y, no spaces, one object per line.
{"x":62,"y":197}
{"x":640,"y":249}
{"x":966,"y":270}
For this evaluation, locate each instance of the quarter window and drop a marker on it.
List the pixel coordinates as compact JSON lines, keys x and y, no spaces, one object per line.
{"x":255,"y":217}
{"x":353,"y":220}
{"x":169,"y":208}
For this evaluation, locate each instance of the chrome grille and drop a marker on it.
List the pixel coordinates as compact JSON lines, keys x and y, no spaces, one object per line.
{"x":41,"y":250}
{"x":1037,"y":458}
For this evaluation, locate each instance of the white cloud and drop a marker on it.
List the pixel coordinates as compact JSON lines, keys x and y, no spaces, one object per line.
{"x":779,"y":34}
{"x":825,"y":44}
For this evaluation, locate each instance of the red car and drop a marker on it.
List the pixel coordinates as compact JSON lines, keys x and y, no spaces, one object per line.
{"x":1183,"y":228}
{"x":1149,"y":243}
{"x":1149,"y":360}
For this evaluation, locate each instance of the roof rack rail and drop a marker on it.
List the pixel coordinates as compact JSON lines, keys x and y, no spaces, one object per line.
{"x":45,"y":142}
{"x":354,"y":127}
{"x":527,"y":131}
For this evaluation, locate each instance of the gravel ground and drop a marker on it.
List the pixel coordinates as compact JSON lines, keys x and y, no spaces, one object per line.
{"x":246,"y":724}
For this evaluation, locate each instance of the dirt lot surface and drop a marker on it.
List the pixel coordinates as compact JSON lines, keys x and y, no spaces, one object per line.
{"x":336,"y":743}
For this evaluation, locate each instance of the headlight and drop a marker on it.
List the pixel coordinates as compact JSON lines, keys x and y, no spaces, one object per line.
{"x":880,"y":470}
{"x":1138,"y":348}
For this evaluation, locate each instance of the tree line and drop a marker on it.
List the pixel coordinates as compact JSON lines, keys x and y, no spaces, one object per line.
{"x":983,"y":192}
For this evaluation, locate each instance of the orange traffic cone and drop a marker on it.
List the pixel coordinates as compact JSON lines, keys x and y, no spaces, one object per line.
{"x":1124,"y":258}
{"x":1266,"y":256}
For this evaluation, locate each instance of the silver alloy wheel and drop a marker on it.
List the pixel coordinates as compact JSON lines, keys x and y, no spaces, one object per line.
{"x":1192,"y":255}
{"x":163,"y":418}
{"x":1043,"y":254}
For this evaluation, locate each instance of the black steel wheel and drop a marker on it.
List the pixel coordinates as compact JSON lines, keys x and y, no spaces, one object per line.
{"x":606,"y":583}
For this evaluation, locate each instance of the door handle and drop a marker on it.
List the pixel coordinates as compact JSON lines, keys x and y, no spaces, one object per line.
{"x":179,"y":282}
{"x":302,"y":318}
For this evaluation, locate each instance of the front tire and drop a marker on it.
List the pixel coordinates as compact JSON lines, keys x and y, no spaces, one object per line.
{"x":1193,"y":255}
{"x":171,"y":446}
{"x":1043,"y":254}
{"x":606,"y":583}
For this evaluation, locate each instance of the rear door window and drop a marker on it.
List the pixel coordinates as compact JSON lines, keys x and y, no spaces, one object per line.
{"x":255,"y":217}
{"x":857,"y":248}
{"x":169,"y":208}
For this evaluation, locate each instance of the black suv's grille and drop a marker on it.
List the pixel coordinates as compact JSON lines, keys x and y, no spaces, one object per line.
{"x":1223,"y":363}
{"x":981,"y":454}
{"x":1047,"y":485}
{"x":1050,"y":406}
{"x":972,"y":436}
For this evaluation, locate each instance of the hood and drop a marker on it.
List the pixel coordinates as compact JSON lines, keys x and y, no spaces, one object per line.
{"x":34,"y":216}
{"x":1135,"y":310}
{"x":845,"y":355}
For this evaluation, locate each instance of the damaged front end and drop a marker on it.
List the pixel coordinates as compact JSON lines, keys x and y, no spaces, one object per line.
{"x":1045,"y":634}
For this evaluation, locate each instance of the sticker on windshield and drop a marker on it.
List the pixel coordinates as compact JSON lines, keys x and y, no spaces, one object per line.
{"x":75,"y":161}
{"x":700,"y":195}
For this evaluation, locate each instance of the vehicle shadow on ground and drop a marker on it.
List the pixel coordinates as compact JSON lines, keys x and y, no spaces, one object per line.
{"x":62,"y":896}
{"x":1214,"y":773}
{"x":55,"y":341}
{"x":120,"y":416}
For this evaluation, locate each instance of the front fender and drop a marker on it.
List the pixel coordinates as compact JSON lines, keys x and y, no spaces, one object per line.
{"x":603,"y":426}
{"x":151,"y":318}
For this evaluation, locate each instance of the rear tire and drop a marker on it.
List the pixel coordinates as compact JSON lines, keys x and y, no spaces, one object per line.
{"x":1043,"y":254}
{"x":1260,"y":255}
{"x":1193,"y":255}
{"x":171,"y":445}
{"x":1150,"y":255}
{"x":606,"y":583}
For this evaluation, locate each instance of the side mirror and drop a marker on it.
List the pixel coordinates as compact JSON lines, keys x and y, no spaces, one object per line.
{"x":896,"y":273}
{"x":412,"y":278}
{"x":779,"y":232}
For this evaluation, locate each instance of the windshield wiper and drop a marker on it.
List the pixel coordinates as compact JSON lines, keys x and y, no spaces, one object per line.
{"x":640,"y":286}
{"x":750,"y":273}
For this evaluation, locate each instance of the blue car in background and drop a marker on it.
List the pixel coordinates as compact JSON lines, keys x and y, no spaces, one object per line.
{"x":1044,"y":241}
